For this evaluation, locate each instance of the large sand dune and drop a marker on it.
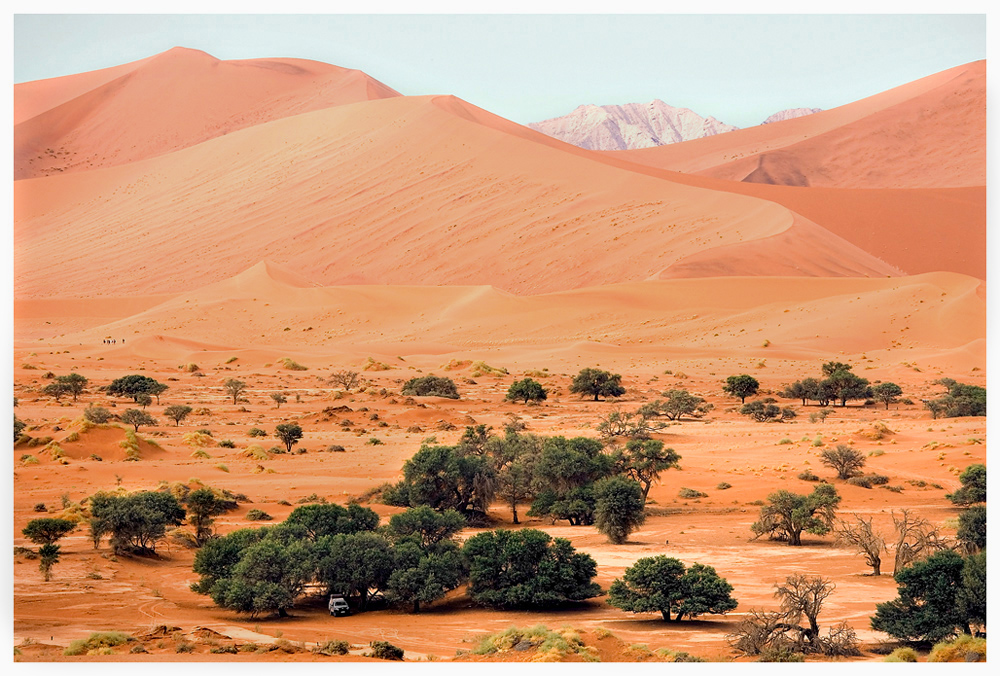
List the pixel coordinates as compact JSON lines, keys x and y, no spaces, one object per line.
{"x":173,"y":100}
{"x":930,"y":133}
{"x":395,"y":191}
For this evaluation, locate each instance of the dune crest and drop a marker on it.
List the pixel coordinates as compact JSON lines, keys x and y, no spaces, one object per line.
{"x":122,"y":115}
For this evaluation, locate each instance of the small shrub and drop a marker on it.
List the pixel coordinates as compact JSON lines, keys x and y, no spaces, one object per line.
{"x":29,"y":460}
{"x":860,"y":481}
{"x":97,"y":641}
{"x":691,"y":494}
{"x":200,"y":454}
{"x":384,"y":650}
{"x":258,"y":515}
{"x":198,"y":439}
{"x":223,"y":649}
{"x":40,"y":507}
{"x":227,"y":443}
{"x":905,"y":654}
{"x":431,"y":386}
{"x":877,"y":479}
{"x":374,"y":441}
{"x":231,"y":360}
{"x":222,"y":467}
{"x":256,"y":432}
{"x":293,"y":365}
{"x":333,"y":648}
{"x":785,"y":442}
{"x":97,"y":415}
{"x":184,"y":647}
{"x":808,"y":475}
{"x":723,"y":486}
{"x":780,"y":653}
{"x":335,"y":448}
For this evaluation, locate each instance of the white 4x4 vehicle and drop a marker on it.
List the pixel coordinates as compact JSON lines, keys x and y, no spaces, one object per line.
{"x":338,"y":605}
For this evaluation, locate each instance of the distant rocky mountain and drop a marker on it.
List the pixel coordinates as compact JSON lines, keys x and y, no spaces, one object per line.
{"x":630,"y":126}
{"x":791,"y":113}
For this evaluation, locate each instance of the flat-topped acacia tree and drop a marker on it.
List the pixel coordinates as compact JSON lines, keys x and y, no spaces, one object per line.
{"x":596,"y":383}
{"x":134,"y":385}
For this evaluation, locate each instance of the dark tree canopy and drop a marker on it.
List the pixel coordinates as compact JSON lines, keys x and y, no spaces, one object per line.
{"x":789,"y":514}
{"x":47,"y":531}
{"x":357,"y":565}
{"x":527,"y":569}
{"x":564,"y":475}
{"x":887,"y":393}
{"x":928,"y":607}
{"x":960,"y":401}
{"x":445,"y":477}
{"x":74,"y":384}
{"x":425,"y":525}
{"x":319,"y":520}
{"x":660,"y":584}
{"x":741,"y":386}
{"x":644,"y":460}
{"x":973,"y":488}
{"x":136,"y":522}
{"x":177,"y":412}
{"x":619,"y":508}
{"x":137,"y":418}
{"x":765,"y":410}
{"x":679,"y":403}
{"x":595,"y":383}
{"x":527,"y":389}
{"x":431,"y":386}
{"x":269,"y":577}
{"x":19,"y":426}
{"x":845,"y":385}
{"x":202,"y":504}
{"x":289,"y":433}
{"x":515,"y":457}
{"x":134,"y":385}
{"x":972,"y":528}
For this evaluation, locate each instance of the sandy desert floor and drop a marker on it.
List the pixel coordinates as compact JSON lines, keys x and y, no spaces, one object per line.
{"x":92,"y":591}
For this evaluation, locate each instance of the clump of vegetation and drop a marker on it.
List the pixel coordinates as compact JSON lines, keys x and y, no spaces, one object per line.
{"x":332,"y":648}
{"x":787,"y":515}
{"x":293,"y":365}
{"x":960,"y":401}
{"x":373,"y":365}
{"x":97,"y":415}
{"x":691,"y":494}
{"x":973,"y":488}
{"x":723,"y":485}
{"x":256,"y":452}
{"x":860,"y":481}
{"x":289,"y":434}
{"x":431,"y":386}
{"x":97,"y":641}
{"x":258,"y":515}
{"x":198,"y":439}
{"x":550,"y":645}
{"x":227,"y":443}
{"x":766,"y":410}
{"x":741,"y":386}
{"x":384,"y":650}
{"x":256,"y":432}
{"x":962,"y":649}
{"x":903,"y":654}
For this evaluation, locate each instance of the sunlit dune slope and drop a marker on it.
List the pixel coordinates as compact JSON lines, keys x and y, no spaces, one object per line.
{"x":930,"y":133}
{"x":172,"y":100}
{"x":801,"y":317}
{"x":427,"y":190}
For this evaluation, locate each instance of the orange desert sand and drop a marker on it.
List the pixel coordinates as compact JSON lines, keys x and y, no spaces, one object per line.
{"x":285,"y":208}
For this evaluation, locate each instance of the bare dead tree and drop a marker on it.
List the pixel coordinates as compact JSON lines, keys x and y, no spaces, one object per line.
{"x":916,"y":538}
{"x":804,"y":595}
{"x":346,"y":379}
{"x":758,"y":630}
{"x":862,"y":535}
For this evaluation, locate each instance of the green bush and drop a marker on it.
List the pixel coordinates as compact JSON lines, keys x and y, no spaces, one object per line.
{"x":333,"y":648}
{"x":258,"y":515}
{"x":431,"y":386}
{"x":691,"y":494}
{"x":97,"y":641}
{"x":256,"y":432}
{"x":384,"y":650}
{"x":227,"y":443}
{"x":962,"y":649}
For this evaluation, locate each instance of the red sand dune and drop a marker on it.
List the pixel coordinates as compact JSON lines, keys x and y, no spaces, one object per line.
{"x":169,"y":101}
{"x":930,"y":133}
{"x":395,"y":191}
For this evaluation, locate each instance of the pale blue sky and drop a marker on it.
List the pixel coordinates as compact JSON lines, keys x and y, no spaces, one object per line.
{"x":738,"y":68}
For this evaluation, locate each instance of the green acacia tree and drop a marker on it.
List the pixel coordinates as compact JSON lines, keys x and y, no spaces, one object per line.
{"x":527,"y":569}
{"x":134,"y":385}
{"x":289,"y":433}
{"x":741,"y":386}
{"x":137,"y":418}
{"x":618,"y":508}
{"x":269,"y":577}
{"x":202,"y":504}
{"x":928,"y":607}
{"x":887,"y":393}
{"x":660,"y":584}
{"x":973,"y":488}
{"x":789,"y":514}
{"x":527,"y":389}
{"x":234,"y":388}
{"x":177,"y":412}
{"x":74,"y":383}
{"x":596,"y":383}
{"x":46,"y":532}
{"x":357,"y":565}
{"x":515,"y":456}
